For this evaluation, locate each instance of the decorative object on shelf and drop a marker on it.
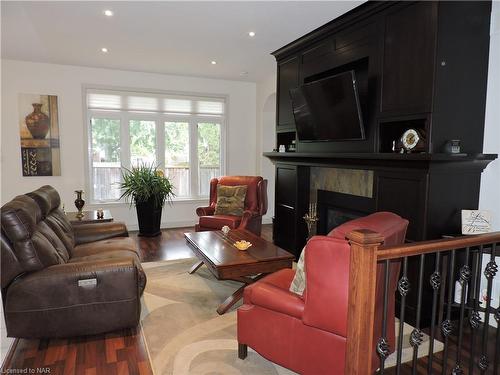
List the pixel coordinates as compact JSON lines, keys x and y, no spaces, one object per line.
{"x":282,"y":148}
{"x":100,"y":213}
{"x":148,"y":189}
{"x":476,"y":221}
{"x":79,"y":203}
{"x":410,"y":139}
{"x":225,"y":229}
{"x":292,"y":147}
{"x":311,"y":219}
{"x":39,"y":132}
{"x":242,"y":245}
{"x":452,"y":146}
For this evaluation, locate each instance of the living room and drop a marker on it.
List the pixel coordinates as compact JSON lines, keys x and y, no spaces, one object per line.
{"x":147,"y":86}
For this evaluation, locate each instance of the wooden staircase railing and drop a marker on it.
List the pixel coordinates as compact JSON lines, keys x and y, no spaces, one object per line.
{"x":367,"y":251}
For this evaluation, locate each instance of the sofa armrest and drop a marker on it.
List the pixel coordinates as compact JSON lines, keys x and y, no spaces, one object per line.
{"x":85,"y":233}
{"x":74,"y":284}
{"x":205,"y":211}
{"x":275,"y":299}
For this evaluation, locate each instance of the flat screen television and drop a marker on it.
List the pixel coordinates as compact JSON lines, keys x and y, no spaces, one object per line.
{"x":328,"y":109}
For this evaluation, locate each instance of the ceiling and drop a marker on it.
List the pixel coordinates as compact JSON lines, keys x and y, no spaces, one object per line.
{"x":173,"y":37}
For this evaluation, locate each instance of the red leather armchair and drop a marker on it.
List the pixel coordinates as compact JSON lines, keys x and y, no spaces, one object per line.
{"x":308,"y":333}
{"x":255,"y":205}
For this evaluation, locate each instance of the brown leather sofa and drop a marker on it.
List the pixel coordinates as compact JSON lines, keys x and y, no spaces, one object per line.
{"x":60,"y":280}
{"x":255,"y":206}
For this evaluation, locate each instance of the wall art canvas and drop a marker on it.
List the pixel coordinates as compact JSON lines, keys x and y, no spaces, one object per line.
{"x":39,"y":131}
{"x":476,"y":221}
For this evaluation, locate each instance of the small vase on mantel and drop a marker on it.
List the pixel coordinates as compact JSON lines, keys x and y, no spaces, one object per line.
{"x":79,"y":203}
{"x":37,"y":122}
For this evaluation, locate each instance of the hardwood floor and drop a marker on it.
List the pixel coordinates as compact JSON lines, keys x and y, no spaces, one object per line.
{"x":122,"y":352}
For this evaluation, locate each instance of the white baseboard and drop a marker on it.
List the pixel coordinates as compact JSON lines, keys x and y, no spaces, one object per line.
{"x":168,"y":224}
{"x":186,"y":223}
{"x":267,"y":220}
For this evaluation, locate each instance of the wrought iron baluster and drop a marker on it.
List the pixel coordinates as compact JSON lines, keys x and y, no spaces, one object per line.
{"x":382,"y":344}
{"x":474,"y":318}
{"x":435,"y":282}
{"x":403,"y":288}
{"x":416,"y":336}
{"x":497,"y":346}
{"x":464,"y":283}
{"x":490,"y":271}
{"x":447,"y":325}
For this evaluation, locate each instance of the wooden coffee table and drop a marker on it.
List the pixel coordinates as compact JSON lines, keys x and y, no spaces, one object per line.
{"x":226,"y":262}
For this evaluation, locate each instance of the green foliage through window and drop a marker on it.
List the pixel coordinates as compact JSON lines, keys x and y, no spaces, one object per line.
{"x":105,"y":140}
{"x":209,"y":144}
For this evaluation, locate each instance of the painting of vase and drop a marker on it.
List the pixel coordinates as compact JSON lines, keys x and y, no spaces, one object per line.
{"x":39,"y":132}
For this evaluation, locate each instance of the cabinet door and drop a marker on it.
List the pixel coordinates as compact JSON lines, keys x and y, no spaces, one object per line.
{"x":284,"y":234}
{"x":404,"y":194}
{"x":409,"y":53}
{"x":288,"y":78}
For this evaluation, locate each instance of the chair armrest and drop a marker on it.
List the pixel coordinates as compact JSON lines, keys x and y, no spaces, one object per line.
{"x":205,"y":211}
{"x":85,"y":233}
{"x":71,"y":284}
{"x":246,"y":217}
{"x":276,"y":299}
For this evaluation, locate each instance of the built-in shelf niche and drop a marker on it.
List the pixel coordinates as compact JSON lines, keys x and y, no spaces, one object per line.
{"x":390,"y":132}
{"x":285,"y":138}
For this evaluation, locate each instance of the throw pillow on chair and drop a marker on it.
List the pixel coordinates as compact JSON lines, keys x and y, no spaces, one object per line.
{"x":230,"y":200}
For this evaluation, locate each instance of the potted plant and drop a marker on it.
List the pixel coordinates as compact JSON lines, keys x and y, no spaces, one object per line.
{"x":147,"y":187}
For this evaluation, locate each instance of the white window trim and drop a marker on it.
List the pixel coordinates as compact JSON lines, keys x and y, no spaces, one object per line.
{"x":160,"y":119}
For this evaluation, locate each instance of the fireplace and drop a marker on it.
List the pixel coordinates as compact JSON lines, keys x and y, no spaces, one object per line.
{"x":335,"y":209}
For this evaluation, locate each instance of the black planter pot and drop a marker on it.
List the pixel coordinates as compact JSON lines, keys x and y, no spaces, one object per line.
{"x":149,"y":218}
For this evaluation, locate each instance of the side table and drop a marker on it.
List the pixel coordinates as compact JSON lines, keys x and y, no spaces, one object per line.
{"x":89,"y":217}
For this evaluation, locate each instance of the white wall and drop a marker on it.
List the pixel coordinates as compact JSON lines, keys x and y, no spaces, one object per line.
{"x":66,"y":82}
{"x":490,"y":179}
{"x":266,"y":136}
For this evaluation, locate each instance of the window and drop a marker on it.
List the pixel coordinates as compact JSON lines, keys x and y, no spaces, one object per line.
{"x":183,"y":135}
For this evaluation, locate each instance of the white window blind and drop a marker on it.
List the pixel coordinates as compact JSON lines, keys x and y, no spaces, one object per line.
{"x":157,"y":103}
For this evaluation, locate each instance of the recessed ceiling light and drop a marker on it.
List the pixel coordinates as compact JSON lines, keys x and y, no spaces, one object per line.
{"x":251,"y":34}
{"x":243,"y":74}
{"x":108,"y":13}
{"x":213,"y":62}
{"x":104,"y":50}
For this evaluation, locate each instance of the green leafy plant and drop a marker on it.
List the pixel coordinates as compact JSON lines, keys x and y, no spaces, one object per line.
{"x":139,"y":184}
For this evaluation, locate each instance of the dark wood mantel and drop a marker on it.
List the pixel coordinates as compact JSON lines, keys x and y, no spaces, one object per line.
{"x":388,"y":159}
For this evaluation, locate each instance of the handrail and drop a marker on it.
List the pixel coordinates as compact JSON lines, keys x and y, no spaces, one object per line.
{"x":435,"y":246}
{"x":366,"y":253}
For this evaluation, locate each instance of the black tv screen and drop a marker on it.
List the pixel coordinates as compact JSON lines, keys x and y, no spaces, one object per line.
{"x":328,"y":109}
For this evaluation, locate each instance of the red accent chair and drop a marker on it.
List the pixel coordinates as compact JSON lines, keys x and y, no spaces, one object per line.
{"x":255,"y":205}
{"x":307,"y":334}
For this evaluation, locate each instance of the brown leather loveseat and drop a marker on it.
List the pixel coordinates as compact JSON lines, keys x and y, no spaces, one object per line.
{"x":60,"y":280}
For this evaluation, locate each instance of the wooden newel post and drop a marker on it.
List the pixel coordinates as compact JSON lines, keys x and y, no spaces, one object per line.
{"x":361,"y":302}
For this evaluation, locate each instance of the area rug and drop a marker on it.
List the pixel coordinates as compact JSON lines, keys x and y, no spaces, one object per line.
{"x":185,"y":335}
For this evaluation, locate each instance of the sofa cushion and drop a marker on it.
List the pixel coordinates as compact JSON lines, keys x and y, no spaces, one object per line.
{"x":49,"y":201}
{"x":217,"y":222}
{"x":35,"y":244}
{"x":230,"y":200}
{"x":106,"y":247}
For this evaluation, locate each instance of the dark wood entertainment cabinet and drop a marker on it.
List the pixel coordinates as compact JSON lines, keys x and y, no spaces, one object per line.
{"x":420,"y":65}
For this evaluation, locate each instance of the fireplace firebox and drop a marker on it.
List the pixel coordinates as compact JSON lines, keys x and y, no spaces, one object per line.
{"x":335,"y":209}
